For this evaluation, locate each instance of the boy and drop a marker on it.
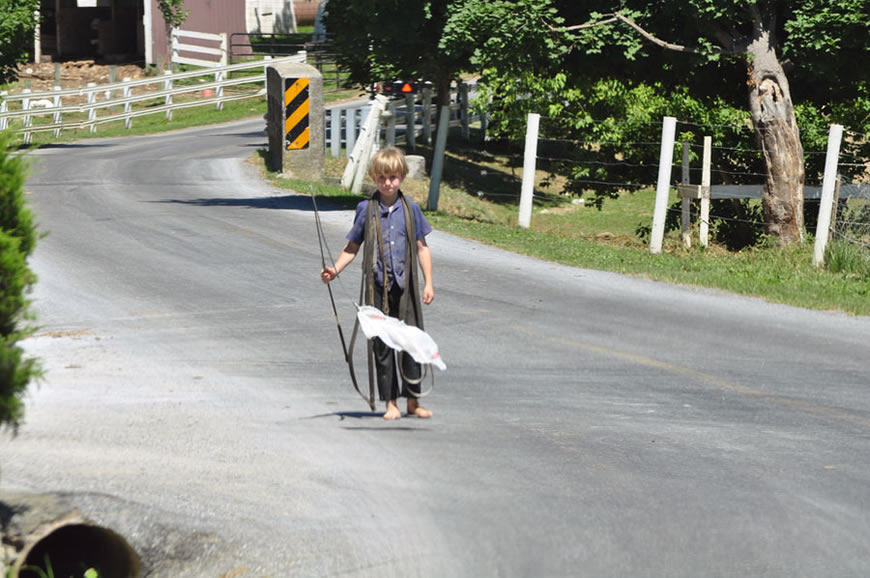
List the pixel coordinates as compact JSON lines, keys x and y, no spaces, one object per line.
{"x":394,"y":230}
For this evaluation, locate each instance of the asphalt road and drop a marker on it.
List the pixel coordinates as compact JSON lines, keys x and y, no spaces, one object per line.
{"x":588,"y":424}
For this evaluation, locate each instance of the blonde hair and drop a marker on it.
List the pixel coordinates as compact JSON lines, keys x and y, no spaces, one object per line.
{"x":388,"y":161}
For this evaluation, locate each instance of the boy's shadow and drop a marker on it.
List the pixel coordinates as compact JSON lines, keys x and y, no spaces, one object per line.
{"x":345,"y":415}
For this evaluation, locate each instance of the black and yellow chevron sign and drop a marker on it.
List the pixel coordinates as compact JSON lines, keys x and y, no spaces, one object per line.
{"x":296,"y":107}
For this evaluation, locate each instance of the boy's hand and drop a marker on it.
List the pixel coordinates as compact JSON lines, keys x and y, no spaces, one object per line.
{"x":327,"y":274}
{"x":428,"y":294}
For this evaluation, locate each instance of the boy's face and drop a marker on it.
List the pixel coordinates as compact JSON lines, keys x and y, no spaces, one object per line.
{"x":388,"y":185}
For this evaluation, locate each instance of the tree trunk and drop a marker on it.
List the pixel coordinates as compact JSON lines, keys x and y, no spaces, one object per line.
{"x":777,"y":132}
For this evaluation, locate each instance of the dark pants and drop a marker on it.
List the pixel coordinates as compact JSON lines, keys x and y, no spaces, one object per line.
{"x":386,"y":369}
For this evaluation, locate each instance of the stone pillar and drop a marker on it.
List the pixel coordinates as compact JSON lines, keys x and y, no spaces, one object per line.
{"x":295,"y":120}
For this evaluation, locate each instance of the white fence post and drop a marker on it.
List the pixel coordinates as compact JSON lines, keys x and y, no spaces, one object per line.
{"x":835,"y":136}
{"x":58,"y":116}
{"x":92,"y":111}
{"x":358,"y":159}
{"x":28,"y":119}
{"x":663,"y":187}
{"x":128,"y":122}
{"x":529,"y":167}
{"x":335,"y":132}
{"x":4,"y":107}
{"x":349,"y":130}
{"x":224,"y":60}
{"x":174,"y":42}
{"x":167,"y":85}
{"x":704,"y":221}
{"x":368,"y":135}
{"x":219,"y":91}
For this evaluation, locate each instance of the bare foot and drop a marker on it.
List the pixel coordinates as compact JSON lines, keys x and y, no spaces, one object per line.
{"x":392,"y":411}
{"x":414,"y":408}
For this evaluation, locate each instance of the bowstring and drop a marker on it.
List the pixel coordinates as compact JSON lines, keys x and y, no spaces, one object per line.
{"x":324,"y":249}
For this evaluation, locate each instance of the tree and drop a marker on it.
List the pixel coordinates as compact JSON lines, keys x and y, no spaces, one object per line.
{"x":17,"y":241}
{"x":174,"y":16}
{"x":711,"y":53}
{"x":16,"y":32}
{"x":378,"y":40}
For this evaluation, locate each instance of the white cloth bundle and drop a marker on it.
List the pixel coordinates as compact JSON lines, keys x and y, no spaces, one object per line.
{"x":399,"y":336}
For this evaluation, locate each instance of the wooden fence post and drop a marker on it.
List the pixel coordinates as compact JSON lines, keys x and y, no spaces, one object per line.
{"x":92,"y":111}
{"x":663,"y":186}
{"x":224,"y":58}
{"x":4,"y":107}
{"x":219,"y":92}
{"x":686,"y":203}
{"x":167,"y":85}
{"x":835,"y":136}
{"x":529,"y":158}
{"x":128,"y":122}
{"x":58,"y":116}
{"x":28,"y":119}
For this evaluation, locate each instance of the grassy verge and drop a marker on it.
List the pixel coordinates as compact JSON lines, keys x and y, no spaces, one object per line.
{"x":479,"y":200}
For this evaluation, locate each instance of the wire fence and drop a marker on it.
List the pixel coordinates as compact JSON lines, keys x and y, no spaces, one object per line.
{"x":597,"y":169}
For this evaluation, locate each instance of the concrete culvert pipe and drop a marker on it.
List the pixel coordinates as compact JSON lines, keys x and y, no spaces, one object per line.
{"x":73,"y":548}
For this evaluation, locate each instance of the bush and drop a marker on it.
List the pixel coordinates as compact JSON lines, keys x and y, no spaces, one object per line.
{"x":17,"y":242}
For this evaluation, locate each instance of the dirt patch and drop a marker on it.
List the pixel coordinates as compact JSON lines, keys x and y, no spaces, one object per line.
{"x":44,"y":76}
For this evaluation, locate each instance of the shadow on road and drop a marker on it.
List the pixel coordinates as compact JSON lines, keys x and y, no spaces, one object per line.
{"x":286,"y":202}
{"x":291,"y":202}
{"x":367,"y":415}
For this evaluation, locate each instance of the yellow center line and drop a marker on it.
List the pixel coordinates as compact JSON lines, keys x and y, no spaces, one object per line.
{"x":784,"y":401}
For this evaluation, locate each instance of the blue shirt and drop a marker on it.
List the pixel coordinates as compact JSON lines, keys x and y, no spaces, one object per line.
{"x":395,"y":237}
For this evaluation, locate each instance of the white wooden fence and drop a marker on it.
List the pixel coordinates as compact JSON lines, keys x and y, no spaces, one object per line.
{"x":94,"y":105}
{"x":343,"y":125}
{"x":828,"y":193}
{"x":213,"y":54}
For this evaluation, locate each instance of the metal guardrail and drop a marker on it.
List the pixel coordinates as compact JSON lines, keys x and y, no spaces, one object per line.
{"x":26,"y":106}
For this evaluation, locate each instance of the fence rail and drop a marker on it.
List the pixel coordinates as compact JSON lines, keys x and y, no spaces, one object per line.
{"x":27,"y":106}
{"x":218,"y":48}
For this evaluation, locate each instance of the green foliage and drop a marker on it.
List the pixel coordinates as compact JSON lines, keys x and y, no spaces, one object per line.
{"x":173,"y":12}
{"x":377,"y":40}
{"x":17,"y":241}
{"x":848,"y":259}
{"x":16,"y":32}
